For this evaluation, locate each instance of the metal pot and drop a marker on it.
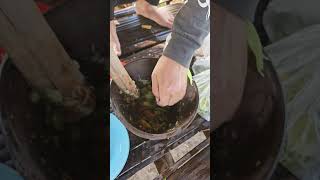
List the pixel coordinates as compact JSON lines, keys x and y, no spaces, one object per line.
{"x":142,"y":69}
{"x":26,"y":133}
{"x":249,"y":146}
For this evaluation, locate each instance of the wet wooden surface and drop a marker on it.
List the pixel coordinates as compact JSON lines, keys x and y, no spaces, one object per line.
{"x":144,"y":152}
{"x":134,"y":38}
{"x":198,"y":168}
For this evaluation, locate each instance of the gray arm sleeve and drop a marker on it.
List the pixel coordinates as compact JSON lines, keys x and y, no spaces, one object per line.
{"x":190,"y":27}
{"x":243,"y":8}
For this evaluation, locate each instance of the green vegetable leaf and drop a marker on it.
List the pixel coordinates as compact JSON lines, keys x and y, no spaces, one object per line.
{"x":53,"y":96}
{"x":190,"y":76}
{"x":255,"y":46}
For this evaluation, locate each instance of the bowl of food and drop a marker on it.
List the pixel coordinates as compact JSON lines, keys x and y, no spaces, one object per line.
{"x":142,"y":116}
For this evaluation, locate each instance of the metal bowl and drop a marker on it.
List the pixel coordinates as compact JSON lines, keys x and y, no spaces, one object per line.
{"x":249,"y":146}
{"x":142,"y":69}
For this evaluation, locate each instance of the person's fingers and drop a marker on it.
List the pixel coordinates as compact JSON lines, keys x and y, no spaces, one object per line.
{"x":172,"y":101}
{"x":116,"y":22}
{"x":163,"y":101}
{"x":171,"y":18}
{"x":118,"y":48}
{"x":169,"y":24}
{"x":176,"y":95}
{"x":164,"y":95}
{"x":155,"y":86}
{"x":115,"y":44}
{"x":114,"y":40}
{"x":178,"y":90}
{"x":169,"y":82}
{"x":184,"y":85}
{"x":169,"y":21}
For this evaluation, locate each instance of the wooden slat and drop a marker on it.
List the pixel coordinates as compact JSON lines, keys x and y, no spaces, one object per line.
{"x":121,"y":77}
{"x":133,"y":38}
{"x":37,"y":52}
{"x":22,"y":57}
{"x":197,"y":168}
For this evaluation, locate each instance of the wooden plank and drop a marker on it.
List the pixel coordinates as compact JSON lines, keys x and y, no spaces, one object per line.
{"x":38,"y":54}
{"x":180,"y":151}
{"x":120,"y":76}
{"x":229,"y":63}
{"x":29,"y":29}
{"x":133,"y":38}
{"x":22,"y":57}
{"x":148,"y":172}
{"x":150,"y":151}
{"x":196,"y":168}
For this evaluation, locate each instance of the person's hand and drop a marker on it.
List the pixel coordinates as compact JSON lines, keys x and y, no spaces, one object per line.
{"x":169,"y":81}
{"x":114,"y":40}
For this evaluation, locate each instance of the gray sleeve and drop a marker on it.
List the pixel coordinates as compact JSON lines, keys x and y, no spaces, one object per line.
{"x":190,"y":27}
{"x":243,"y":8}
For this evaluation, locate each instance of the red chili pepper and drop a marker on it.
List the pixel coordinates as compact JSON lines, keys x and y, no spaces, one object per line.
{"x":2,"y":53}
{"x":44,"y":8}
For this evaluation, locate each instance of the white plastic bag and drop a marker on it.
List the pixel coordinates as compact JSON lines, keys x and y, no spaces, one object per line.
{"x":201,"y":64}
{"x":201,"y":70}
{"x":202,"y":80}
{"x":296,"y":60}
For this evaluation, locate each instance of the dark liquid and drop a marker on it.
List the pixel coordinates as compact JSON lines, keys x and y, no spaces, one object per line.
{"x":146,"y":115}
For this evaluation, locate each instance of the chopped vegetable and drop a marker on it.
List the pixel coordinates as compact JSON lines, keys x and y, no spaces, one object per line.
{"x":147,"y":115}
{"x":190,"y":76}
{"x":255,"y":46}
{"x":146,"y":26}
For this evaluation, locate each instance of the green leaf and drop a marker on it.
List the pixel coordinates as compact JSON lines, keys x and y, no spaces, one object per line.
{"x":35,"y":97}
{"x":190,"y":76}
{"x":255,"y":46}
{"x":53,"y":96}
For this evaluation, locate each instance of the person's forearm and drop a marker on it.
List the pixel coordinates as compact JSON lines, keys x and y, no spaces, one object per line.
{"x":191,"y":26}
{"x":243,"y":8}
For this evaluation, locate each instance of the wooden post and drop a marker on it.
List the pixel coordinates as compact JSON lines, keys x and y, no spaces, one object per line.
{"x":37,"y":53}
{"x":121,"y":77}
{"x":229,"y":63}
